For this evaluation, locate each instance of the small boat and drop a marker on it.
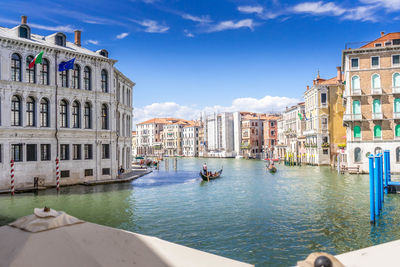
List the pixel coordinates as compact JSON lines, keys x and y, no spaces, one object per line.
{"x":213,"y":177}
{"x":272,"y":169}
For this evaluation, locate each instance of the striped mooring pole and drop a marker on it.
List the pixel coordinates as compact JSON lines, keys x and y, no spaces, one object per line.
{"x":57,"y":174}
{"x":12,"y":177}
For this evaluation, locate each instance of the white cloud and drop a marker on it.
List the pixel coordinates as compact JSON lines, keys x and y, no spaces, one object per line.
{"x":230,"y":25}
{"x":172,"y":109}
{"x":153,"y":26}
{"x":122,"y":35}
{"x":202,"y":19}
{"x":251,"y":9}
{"x":319,"y":8}
{"x":363,"y":13}
{"x":188,"y":34}
{"x":95,"y":42}
{"x":391,"y":5}
{"x":66,"y":28}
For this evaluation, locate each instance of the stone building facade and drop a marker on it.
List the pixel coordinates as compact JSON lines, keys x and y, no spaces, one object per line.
{"x":72,"y":115}
{"x":372,"y":100}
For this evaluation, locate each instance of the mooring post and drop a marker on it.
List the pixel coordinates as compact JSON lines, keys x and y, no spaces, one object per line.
{"x":386,"y":167}
{"x":379,"y":167}
{"x":381,"y":179}
{"x":371,"y":190}
{"x":376,"y":186}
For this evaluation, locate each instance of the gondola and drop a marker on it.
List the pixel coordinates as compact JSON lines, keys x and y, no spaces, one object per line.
{"x":207,"y":178}
{"x":272,"y":169}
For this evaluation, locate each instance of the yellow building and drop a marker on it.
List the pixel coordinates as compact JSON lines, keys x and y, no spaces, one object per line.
{"x":324,"y":120}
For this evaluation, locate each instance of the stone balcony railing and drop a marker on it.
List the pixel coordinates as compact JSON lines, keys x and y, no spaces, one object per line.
{"x":352,"y":117}
{"x":377,"y":116}
{"x":376,"y":91}
{"x":356,"y":91}
{"x":396,"y":90}
{"x":396,"y":115}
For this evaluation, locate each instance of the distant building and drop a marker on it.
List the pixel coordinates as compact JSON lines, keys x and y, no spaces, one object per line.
{"x":134,"y":143}
{"x":190,"y":140}
{"x":293,"y":127}
{"x":270,"y":137}
{"x":252,"y":135}
{"x":372,"y":100}
{"x":220,"y":135}
{"x":281,"y":145}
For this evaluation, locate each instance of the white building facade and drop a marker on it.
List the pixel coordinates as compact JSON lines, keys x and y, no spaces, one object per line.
{"x":81,"y":116}
{"x":220,"y":135}
{"x":190,"y":141}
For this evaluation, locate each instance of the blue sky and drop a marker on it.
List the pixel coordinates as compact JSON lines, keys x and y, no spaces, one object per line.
{"x":191,"y":56}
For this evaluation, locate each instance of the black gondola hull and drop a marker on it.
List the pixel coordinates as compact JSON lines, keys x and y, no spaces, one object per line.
{"x":206,"y":178}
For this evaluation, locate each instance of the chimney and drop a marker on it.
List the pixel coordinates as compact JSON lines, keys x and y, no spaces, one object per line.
{"x":382,"y":34}
{"x":339,"y":74}
{"x":308,"y":87}
{"x":78,"y":37}
{"x":24,"y":19}
{"x":313,"y":82}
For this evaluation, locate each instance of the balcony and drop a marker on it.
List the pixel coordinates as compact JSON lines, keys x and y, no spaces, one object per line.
{"x":376,"y":91}
{"x":396,"y":90}
{"x":396,"y":115}
{"x":377,"y":116}
{"x":356,"y":92}
{"x":352,"y":117}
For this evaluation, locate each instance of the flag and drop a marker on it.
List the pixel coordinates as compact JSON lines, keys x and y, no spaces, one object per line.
{"x":68,"y":65}
{"x":36,"y":60}
{"x":300,"y":116}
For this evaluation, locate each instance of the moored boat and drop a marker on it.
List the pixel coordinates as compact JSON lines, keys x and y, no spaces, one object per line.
{"x":210,"y":177}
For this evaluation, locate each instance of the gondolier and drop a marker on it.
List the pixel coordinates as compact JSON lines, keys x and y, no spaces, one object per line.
{"x":205,"y":168}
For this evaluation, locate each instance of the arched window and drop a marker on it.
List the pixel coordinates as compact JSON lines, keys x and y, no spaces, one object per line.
{"x":377,"y":106}
{"x":397,"y":130}
{"x":357,"y":154}
{"x":44,"y":113}
{"x":88,"y":116}
{"x":76,"y":77}
{"x":44,"y":72}
{"x":16,"y":118}
{"x":76,"y":113}
{"x":376,"y":81}
{"x":355,"y":82}
{"x":16,"y":67}
{"x":23,"y":32}
{"x":357,"y":131}
{"x":30,"y":72}
{"x":63,"y":114}
{"x":104,"y":81}
{"x":30,"y":112}
{"x":378,"y":150}
{"x":356,"y":107}
{"x":398,"y":154}
{"x":396,"y":79}
{"x":64,"y":78}
{"x":104,"y":117}
{"x":377,"y":131}
{"x":397,"y":105}
{"x":87,"y":78}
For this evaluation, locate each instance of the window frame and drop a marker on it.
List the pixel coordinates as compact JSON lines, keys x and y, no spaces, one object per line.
{"x":30,"y":112}
{"x":45,"y":152}
{"x":16,"y":68}
{"x":351,"y":63}
{"x":76,"y":77}
{"x":87,"y":115}
{"x":371,"y":62}
{"x":87,"y":78}
{"x":15,"y":111}
{"x":44,"y":113}
{"x":64,"y":152}
{"x":104,"y":81}
{"x":76,"y":114}
{"x":30,"y":153}
{"x":104,"y":117}
{"x":393,"y":64}
{"x":30,"y":73}
{"x":64,"y":121}
{"x":21,"y":152}
{"x":45,"y":72}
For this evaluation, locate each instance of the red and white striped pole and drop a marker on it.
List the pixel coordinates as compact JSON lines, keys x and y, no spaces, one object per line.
{"x":12,"y":177}
{"x":57,"y":174}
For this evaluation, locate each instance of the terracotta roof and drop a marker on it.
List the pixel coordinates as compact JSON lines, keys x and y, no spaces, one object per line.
{"x":329,"y":81}
{"x":383,"y":39}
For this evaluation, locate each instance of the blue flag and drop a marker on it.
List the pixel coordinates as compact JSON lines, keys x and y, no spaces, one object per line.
{"x":69,"y":65}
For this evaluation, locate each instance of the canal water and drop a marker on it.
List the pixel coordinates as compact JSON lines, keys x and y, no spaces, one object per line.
{"x":248,"y":214}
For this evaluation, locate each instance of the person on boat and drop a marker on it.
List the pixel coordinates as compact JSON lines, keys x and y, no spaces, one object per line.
{"x":121,"y":170}
{"x":271,"y":166}
{"x":205,"y":168}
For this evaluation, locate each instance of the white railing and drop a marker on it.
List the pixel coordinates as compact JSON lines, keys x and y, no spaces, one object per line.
{"x":377,"y":116}
{"x":352,"y":117}
{"x":396,"y":90}
{"x":356,"y":92}
{"x":396,"y":115}
{"x":376,"y":91}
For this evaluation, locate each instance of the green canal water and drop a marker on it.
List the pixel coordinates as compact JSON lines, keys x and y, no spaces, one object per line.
{"x":248,"y":214}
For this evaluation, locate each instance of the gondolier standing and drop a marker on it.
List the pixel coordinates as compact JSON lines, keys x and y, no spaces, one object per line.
{"x":205,"y":168}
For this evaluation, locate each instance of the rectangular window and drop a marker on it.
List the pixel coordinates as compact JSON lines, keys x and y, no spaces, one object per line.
{"x":106,"y":171}
{"x":31,"y":152}
{"x":325,"y":151}
{"x":354,"y":63}
{"x":76,"y":150}
{"x":88,"y":172}
{"x":16,"y":152}
{"x":396,"y":42}
{"x":378,"y":45}
{"x":64,"y":152}
{"x":45,"y":152}
{"x":374,"y":62}
{"x":88,"y":151}
{"x":1,"y":150}
{"x":105,"y":151}
{"x":64,"y":174}
{"x":396,"y":59}
{"x":323,"y":98}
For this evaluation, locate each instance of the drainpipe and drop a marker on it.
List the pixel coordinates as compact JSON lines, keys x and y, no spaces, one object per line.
{"x":56,"y":102}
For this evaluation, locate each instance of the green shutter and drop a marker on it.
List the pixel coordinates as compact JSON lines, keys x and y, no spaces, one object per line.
{"x":357,"y":131}
{"x":377,"y":106}
{"x":356,"y":107}
{"x":397,"y":130}
{"x":377,"y":131}
{"x":397,"y":105}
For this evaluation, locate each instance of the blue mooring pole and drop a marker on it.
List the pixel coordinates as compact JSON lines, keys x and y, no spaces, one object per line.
{"x":371,"y":190}
{"x":381,"y":179}
{"x":376,"y":186}
{"x":387,"y":169}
